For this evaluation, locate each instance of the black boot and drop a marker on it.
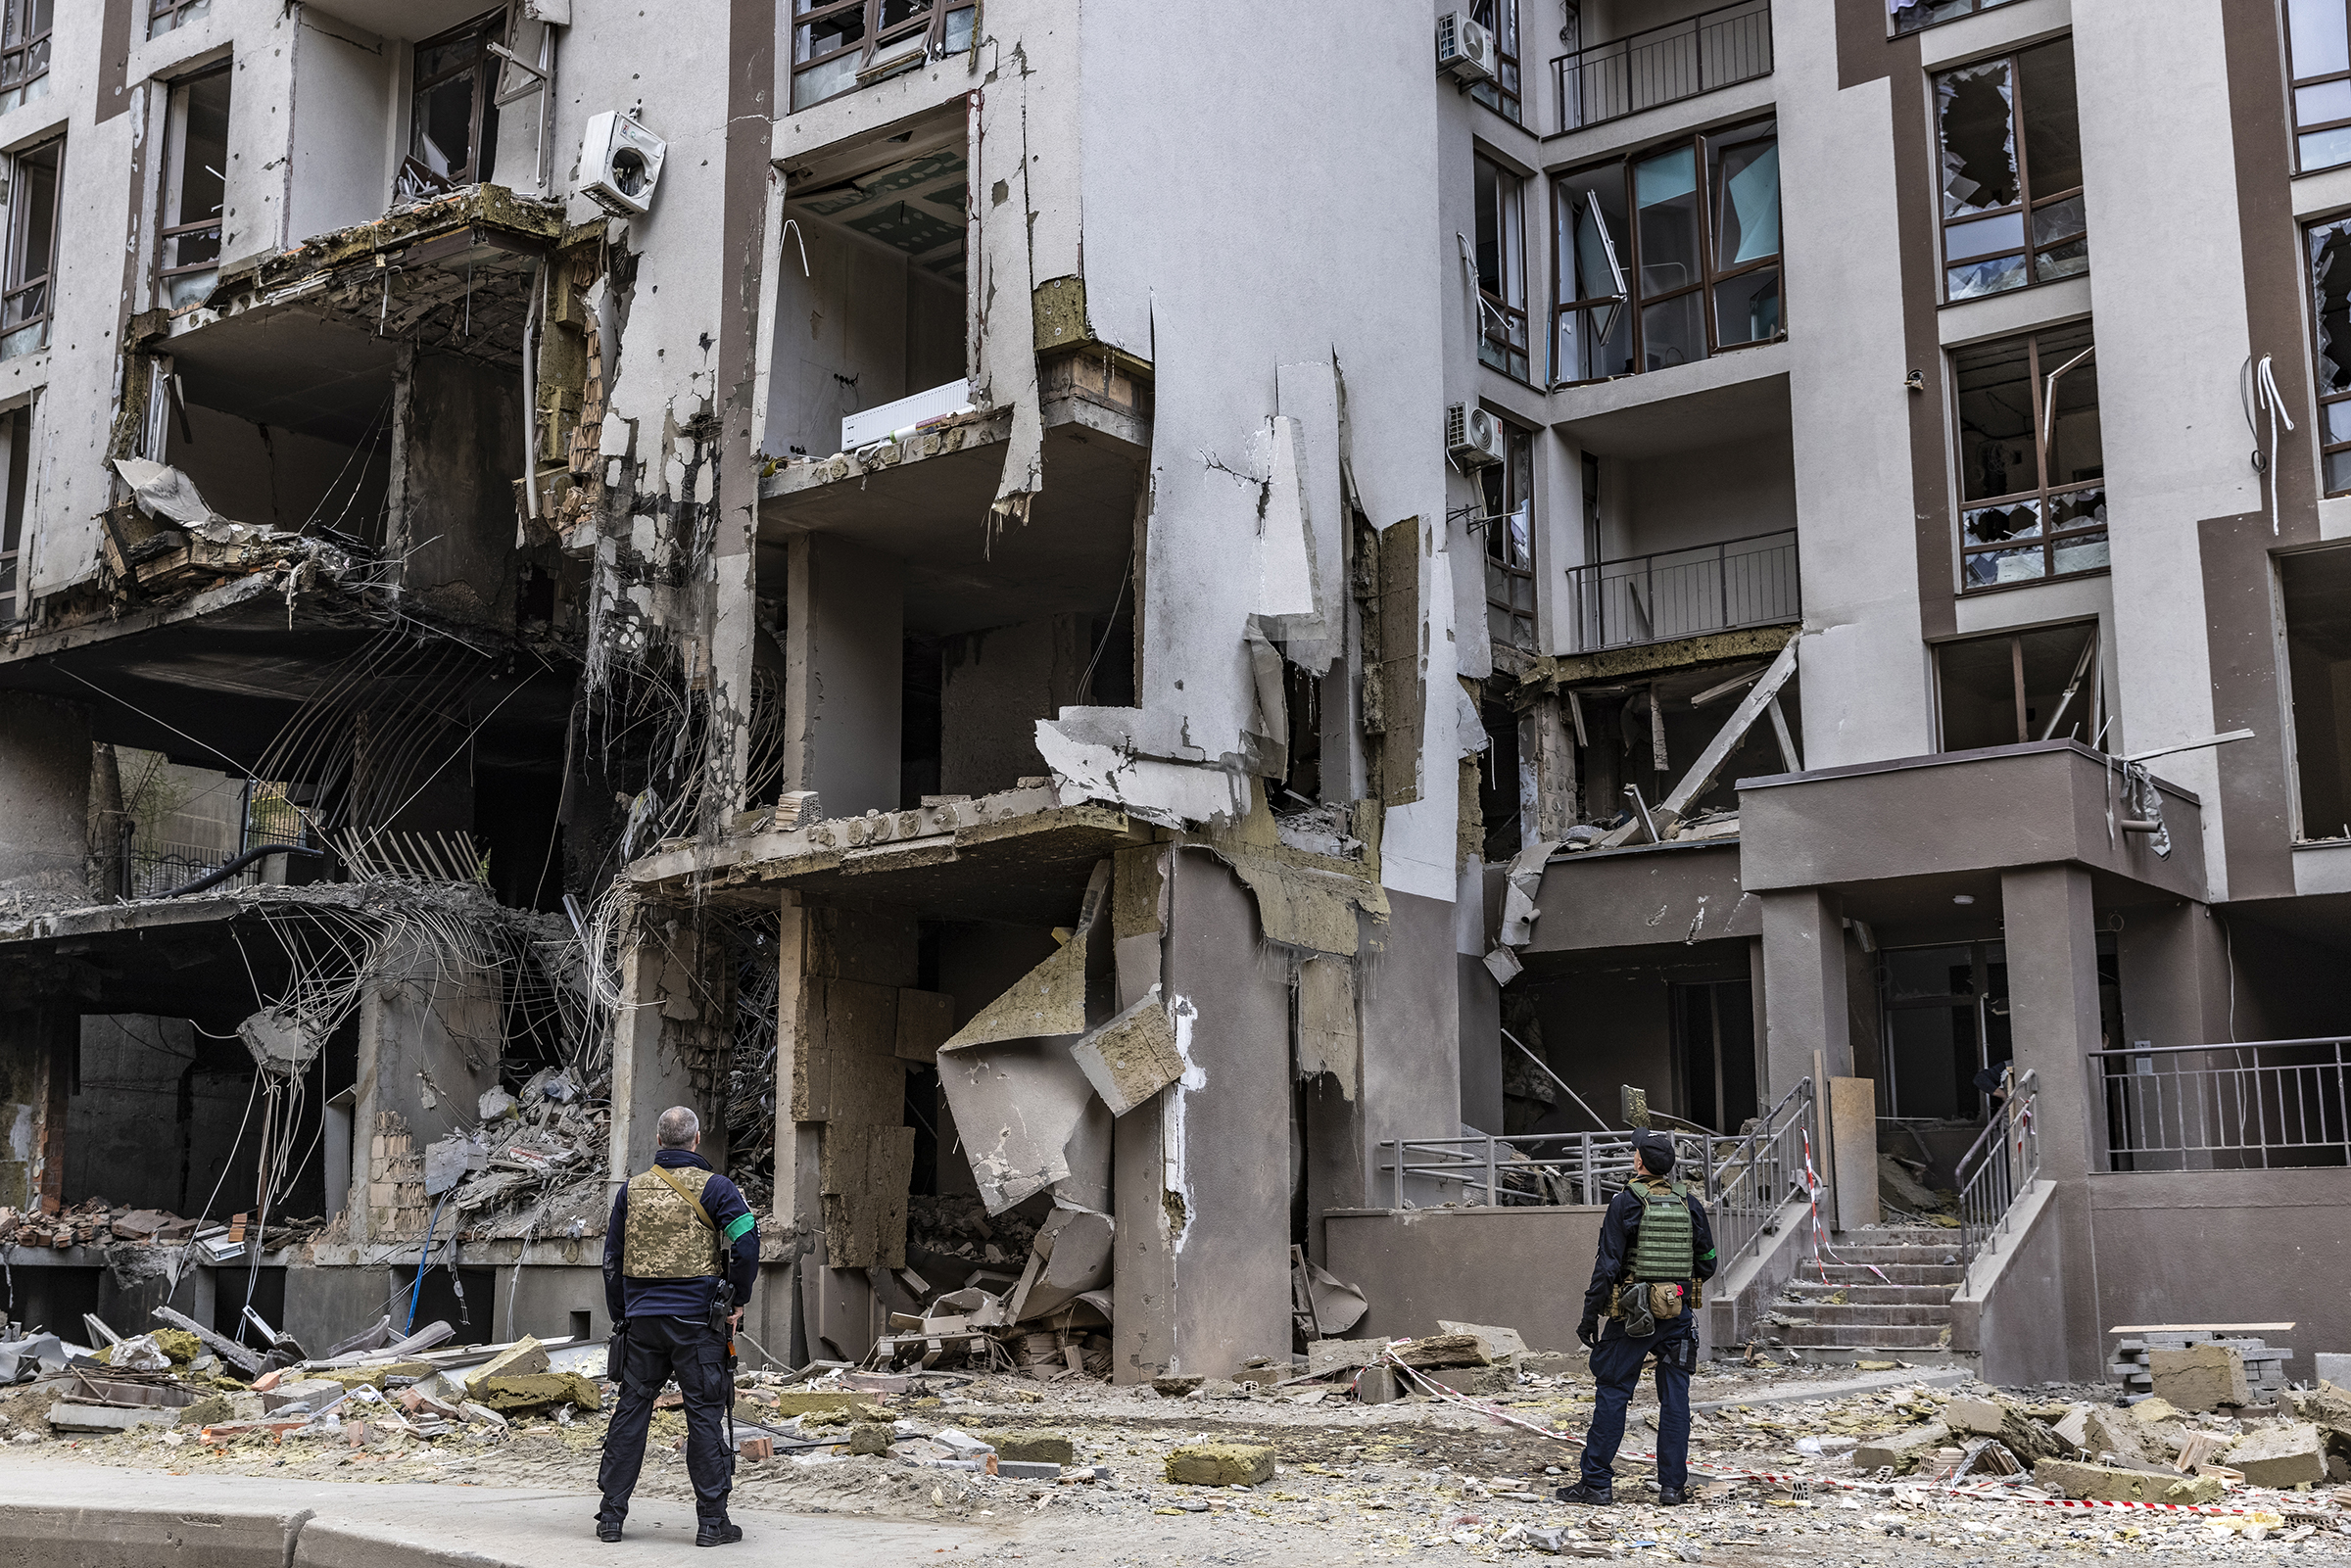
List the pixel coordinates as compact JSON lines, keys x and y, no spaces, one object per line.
{"x":1592,"y":1496}
{"x":1670,"y":1498}
{"x":607,"y":1530}
{"x":717,"y":1533}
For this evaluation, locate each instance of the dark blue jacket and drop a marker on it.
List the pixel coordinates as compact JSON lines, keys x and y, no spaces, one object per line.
{"x":1616,"y":1233}
{"x":626,"y":1297}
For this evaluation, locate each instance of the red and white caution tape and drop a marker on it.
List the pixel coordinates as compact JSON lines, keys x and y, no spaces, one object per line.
{"x":1820,"y":1234}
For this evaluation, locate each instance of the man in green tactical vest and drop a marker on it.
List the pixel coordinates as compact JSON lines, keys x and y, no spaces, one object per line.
{"x":680,"y":1256}
{"x":1656,"y":1248}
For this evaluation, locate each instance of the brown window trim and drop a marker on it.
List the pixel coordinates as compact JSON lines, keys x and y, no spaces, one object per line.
{"x":2298,"y":85}
{"x":1629,"y":254}
{"x":1509,"y":336}
{"x":1496,"y":543}
{"x":178,"y":13}
{"x":2335,"y":406}
{"x":1966,"y":8}
{"x":2044,"y":494}
{"x":872,"y":37}
{"x":24,"y":61}
{"x":1508,"y":102}
{"x":167,"y":235}
{"x":13,"y":285}
{"x":2087,"y":713}
{"x":485,"y":31}
{"x":2029,"y":204}
{"x":14,"y":489}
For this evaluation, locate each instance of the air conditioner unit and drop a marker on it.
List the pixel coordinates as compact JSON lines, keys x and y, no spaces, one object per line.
{"x":1464,"y":50}
{"x":1473,"y":436}
{"x":620,"y":163}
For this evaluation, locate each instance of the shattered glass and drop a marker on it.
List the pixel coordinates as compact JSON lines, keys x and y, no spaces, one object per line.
{"x":1976,"y":278}
{"x":1973,"y":108}
{"x":1989,"y":567}
{"x":1989,"y":525}
{"x":1745,"y":178}
{"x":2330,"y":285}
{"x":1909,"y":15}
{"x":2082,"y":553}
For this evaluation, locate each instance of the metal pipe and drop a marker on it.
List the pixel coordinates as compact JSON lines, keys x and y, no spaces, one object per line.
{"x":216,"y":877}
{"x":1563,"y":1090}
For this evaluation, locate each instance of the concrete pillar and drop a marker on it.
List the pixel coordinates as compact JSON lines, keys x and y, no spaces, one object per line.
{"x":44,"y":796}
{"x":1806,"y":988}
{"x":430,"y":1034}
{"x":661,"y":1009}
{"x":38,"y":1034}
{"x":1203,"y":1203}
{"x":1478,"y":1035}
{"x":2053,"y":948}
{"x":2174,"y":968}
{"x":844,"y":674}
{"x":1409,"y":974}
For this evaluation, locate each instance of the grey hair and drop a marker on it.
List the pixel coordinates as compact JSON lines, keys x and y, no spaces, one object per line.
{"x":678,"y":1127}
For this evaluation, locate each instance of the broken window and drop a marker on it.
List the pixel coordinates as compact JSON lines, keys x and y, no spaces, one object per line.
{"x":187,"y":252}
{"x":2031,"y":471}
{"x":1500,"y":18}
{"x":2318,"y":49}
{"x":1668,"y":257}
{"x":1507,"y":491}
{"x":2017,"y":687}
{"x":27,"y":296}
{"x":1502,"y":268}
{"x":2011,"y":144}
{"x":453,"y":128}
{"x":1909,"y":15}
{"x":23,"y":51}
{"x":2315,"y":601}
{"x":838,"y":46}
{"x":16,"y":461}
{"x":166,"y":15}
{"x":2329,"y":249}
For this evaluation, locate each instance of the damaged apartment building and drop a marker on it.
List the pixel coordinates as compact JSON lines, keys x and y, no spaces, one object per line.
{"x":1171,"y":688}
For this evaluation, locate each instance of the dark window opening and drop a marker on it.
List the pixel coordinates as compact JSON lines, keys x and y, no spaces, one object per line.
{"x":2329,"y":251}
{"x":1499,"y":792}
{"x":838,"y":46}
{"x":1506,"y":496}
{"x":1715,"y":1022}
{"x":28,"y":295}
{"x":187,"y":252}
{"x":2012,"y":201}
{"x":1945,"y":1020}
{"x":1502,"y":95}
{"x":1502,"y":268}
{"x":2032,"y":466}
{"x":921,"y":720}
{"x":453,"y":126}
{"x":16,"y":454}
{"x":2025,"y":685}
{"x":1668,"y":257}
{"x":2314,"y":594}
{"x":1302,"y":692}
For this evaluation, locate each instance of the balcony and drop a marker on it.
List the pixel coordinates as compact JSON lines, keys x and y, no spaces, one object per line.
{"x":1684,"y":593}
{"x":1664,"y":65}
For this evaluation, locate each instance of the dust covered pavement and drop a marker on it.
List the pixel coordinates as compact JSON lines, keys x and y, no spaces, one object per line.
{"x":1417,"y":1477}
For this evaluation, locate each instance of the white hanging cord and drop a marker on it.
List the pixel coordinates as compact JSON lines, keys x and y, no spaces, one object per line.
{"x":2267,"y":396}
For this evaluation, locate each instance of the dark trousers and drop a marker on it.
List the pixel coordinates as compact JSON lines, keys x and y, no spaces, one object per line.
{"x":658,"y":1349}
{"x":1616,"y":1368}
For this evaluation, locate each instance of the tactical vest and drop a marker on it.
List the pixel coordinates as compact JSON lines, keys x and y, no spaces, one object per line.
{"x":665,"y":1238}
{"x":1665,"y":1248}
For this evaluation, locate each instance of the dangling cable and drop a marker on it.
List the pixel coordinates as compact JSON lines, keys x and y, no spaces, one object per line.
{"x":2266,"y":397}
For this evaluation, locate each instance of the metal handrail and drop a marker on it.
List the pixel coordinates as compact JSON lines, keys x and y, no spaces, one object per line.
{"x":2006,"y":1157}
{"x":1700,"y":592}
{"x":2281,"y":1102}
{"x":1762,"y":1169}
{"x":1664,"y":65}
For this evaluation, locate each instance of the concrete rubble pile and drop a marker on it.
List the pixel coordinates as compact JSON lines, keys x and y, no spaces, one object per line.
{"x":533,"y":1164}
{"x":95,"y":1222}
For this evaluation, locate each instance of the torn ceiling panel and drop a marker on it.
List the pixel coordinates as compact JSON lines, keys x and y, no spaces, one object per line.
{"x":1170,"y":793}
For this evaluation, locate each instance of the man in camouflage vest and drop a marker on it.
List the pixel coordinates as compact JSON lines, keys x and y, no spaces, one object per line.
{"x":679,"y":1232}
{"x":1655,"y":1249}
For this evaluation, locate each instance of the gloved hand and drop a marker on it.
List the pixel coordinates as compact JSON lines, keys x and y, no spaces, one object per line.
{"x":1588,"y":1331}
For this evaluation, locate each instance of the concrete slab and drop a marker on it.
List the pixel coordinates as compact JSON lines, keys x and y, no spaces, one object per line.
{"x":1841,"y":1388}
{"x":82,"y":1516}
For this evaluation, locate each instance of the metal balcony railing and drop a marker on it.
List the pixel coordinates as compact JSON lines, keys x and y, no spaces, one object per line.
{"x":1757,"y":1173}
{"x":1664,"y":65}
{"x":2000,"y":1167}
{"x":2264,"y":1105}
{"x":1682,"y":593}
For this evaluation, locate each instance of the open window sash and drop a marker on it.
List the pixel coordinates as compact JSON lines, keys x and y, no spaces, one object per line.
{"x":1619,"y":294}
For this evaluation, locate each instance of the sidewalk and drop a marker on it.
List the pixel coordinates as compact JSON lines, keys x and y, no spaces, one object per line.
{"x":82,"y":1516}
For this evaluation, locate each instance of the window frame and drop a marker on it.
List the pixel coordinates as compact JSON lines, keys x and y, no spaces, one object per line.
{"x":2041,"y":379}
{"x":169,"y":193}
{"x":169,"y":16}
{"x":486,"y":29}
{"x":15,"y":283}
{"x":2326,"y":401}
{"x":1624,"y":252}
{"x":2030,"y":202}
{"x":2296,"y":85}
{"x":873,"y":37}
{"x":1498,"y":545}
{"x":2091,"y":682}
{"x":1503,"y":326}
{"x":30,"y":53}
{"x":16,"y":495}
{"x":1894,"y":29}
{"x":1505,"y":95}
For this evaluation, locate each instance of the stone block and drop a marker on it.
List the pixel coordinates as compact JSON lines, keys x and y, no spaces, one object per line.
{"x":1034,"y":1445}
{"x":1220,"y":1465}
{"x":1499,"y":1340}
{"x":2105,"y":1484}
{"x":1329,"y":1356}
{"x":303,"y":1392}
{"x":374,"y":1377}
{"x":2109,"y":1431}
{"x":2154,"y":1412}
{"x":1978,"y":1417}
{"x":1447,"y":1349}
{"x":871,"y":1437}
{"x":1555,"y":1364}
{"x":532,"y":1391}
{"x":1376,"y":1385}
{"x":525,"y":1356}
{"x":2200,"y":1377}
{"x":2327,"y":1405}
{"x":1902,"y":1451}
{"x":794,"y":1401}
{"x":2285,"y":1455}
{"x":2332,"y":1368}
{"x":1474,"y":1381}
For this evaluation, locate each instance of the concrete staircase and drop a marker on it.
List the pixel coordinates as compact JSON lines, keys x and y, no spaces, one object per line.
{"x":1905,"y":1316}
